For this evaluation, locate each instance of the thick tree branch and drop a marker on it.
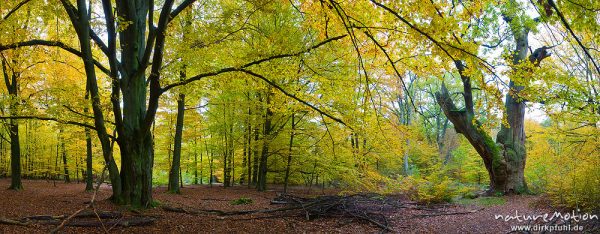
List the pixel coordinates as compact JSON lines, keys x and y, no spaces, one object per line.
{"x":71,"y":11}
{"x":111,"y":52}
{"x":311,"y":106}
{"x":180,"y":8}
{"x":15,"y":9}
{"x":37,"y":42}
{"x":467,"y":87}
{"x":159,"y":44}
{"x":62,"y":121}
{"x":231,"y":69}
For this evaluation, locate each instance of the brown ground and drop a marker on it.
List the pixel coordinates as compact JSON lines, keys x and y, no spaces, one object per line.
{"x":43,"y":198}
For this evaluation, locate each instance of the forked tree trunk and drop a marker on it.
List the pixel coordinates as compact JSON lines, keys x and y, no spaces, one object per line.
{"x":133,"y":185}
{"x":465,"y":124}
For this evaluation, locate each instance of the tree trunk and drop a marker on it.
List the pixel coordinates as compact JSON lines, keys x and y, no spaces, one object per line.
{"x":211,"y":163}
{"x":289,"y":158}
{"x":136,"y":171}
{"x":249,"y":146}
{"x":15,"y":156}
{"x":64,"y":157}
{"x":226,"y":156}
{"x":2,"y":170}
{"x":15,"y":147}
{"x":511,"y":138}
{"x":195,"y":163}
{"x":201,"y":169}
{"x":89,"y":180}
{"x":255,"y":157}
{"x":465,"y":124}
{"x":231,"y":157}
{"x":80,"y":20}
{"x":175,"y":166}
{"x":262,"y":169}
{"x":512,"y":141}
{"x":245,"y":155}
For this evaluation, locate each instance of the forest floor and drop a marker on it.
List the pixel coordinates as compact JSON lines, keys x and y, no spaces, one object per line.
{"x":403,"y":216}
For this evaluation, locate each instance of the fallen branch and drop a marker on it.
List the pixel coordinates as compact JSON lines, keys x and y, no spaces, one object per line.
{"x":124,"y":222}
{"x":221,"y":212}
{"x":13,"y":222}
{"x":450,"y":213}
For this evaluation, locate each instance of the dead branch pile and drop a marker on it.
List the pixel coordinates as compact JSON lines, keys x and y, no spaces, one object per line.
{"x":362,"y":207}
